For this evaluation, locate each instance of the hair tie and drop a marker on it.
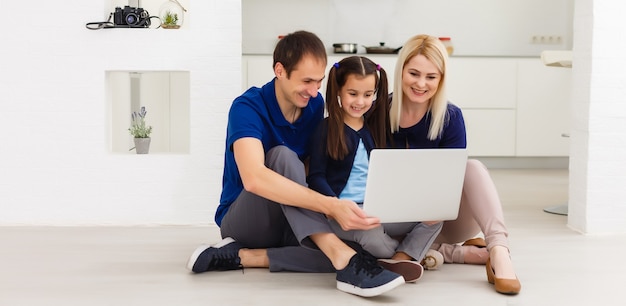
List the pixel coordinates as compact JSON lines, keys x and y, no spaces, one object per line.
{"x":378,"y":67}
{"x":336,"y":65}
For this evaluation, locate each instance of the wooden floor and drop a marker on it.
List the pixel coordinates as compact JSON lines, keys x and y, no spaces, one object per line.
{"x":146,"y":265}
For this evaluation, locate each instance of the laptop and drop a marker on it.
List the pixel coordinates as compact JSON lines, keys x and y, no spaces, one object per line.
{"x":414,"y":185}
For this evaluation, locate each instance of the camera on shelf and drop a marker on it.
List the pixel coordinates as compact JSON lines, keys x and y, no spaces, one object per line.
{"x":132,"y":17}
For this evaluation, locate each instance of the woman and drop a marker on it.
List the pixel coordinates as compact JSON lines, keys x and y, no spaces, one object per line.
{"x":421,"y":117}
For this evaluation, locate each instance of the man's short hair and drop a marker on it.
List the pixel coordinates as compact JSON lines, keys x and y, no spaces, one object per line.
{"x":294,"y":46}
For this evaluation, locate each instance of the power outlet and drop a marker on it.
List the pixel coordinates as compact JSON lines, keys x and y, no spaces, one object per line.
{"x":547,"y":39}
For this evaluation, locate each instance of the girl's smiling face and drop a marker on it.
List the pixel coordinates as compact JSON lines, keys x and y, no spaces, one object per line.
{"x":356,"y":96}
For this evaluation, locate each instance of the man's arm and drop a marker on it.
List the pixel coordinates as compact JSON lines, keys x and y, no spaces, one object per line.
{"x":264,"y":182}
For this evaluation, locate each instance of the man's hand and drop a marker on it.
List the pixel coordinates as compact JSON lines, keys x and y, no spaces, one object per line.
{"x":351,"y":217}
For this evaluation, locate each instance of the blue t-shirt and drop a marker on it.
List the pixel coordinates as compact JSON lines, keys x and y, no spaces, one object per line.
{"x":256,"y":114}
{"x":355,"y":187}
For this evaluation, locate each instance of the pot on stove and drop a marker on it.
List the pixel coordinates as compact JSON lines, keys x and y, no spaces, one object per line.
{"x":345,"y":47}
{"x":381,"y":49}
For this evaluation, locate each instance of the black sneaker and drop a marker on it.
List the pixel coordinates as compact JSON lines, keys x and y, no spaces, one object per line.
{"x":410,"y":270}
{"x":222,"y":256}
{"x":363,"y":276}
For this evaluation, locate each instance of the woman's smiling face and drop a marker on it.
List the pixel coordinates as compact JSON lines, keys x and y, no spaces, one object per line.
{"x":420,"y":79}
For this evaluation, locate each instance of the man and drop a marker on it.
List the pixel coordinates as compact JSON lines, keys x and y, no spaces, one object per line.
{"x":267,"y":214}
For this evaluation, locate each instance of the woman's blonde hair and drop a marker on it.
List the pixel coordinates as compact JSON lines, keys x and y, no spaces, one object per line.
{"x":434,"y":50}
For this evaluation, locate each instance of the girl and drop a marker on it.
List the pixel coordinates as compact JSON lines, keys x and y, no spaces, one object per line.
{"x":357,"y":106}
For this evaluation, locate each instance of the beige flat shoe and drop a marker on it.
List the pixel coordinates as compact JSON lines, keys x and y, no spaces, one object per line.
{"x":433,"y":260}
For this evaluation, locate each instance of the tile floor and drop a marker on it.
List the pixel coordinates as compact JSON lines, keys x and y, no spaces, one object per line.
{"x":146,"y":265}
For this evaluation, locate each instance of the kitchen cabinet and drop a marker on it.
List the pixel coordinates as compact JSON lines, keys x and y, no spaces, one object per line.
{"x":485,"y":89}
{"x":490,"y":132}
{"x":543,"y":111}
{"x":482,"y":83}
{"x":256,"y":70}
{"x":513,"y":106}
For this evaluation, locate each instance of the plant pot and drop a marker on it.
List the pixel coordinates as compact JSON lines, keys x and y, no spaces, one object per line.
{"x":170,"y":26}
{"x":171,"y":14}
{"x":142,"y":145}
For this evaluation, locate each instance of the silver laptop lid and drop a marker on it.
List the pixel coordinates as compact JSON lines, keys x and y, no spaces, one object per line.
{"x":409,"y":185}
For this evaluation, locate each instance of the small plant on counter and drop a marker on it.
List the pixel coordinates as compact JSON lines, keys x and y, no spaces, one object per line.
{"x":170,"y":20}
{"x":138,"y":126}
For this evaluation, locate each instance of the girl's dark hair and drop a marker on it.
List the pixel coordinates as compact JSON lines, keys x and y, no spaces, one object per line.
{"x":376,"y":119}
{"x":294,"y":46}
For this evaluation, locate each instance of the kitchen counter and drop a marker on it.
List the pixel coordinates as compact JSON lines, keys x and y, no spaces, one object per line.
{"x":394,"y":55}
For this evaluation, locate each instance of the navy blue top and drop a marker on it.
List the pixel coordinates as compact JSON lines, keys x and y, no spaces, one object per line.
{"x":329,"y":176}
{"x":416,"y":136}
{"x":256,"y":114}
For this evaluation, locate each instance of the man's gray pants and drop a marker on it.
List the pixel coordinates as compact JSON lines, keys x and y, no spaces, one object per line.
{"x":258,"y":223}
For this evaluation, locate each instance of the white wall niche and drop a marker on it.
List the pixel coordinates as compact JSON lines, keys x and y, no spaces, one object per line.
{"x":165,"y":94}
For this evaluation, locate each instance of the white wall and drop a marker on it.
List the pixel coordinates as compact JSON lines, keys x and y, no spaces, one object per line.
{"x":598,"y":138}
{"x":55,"y":161}
{"x":477,"y":28}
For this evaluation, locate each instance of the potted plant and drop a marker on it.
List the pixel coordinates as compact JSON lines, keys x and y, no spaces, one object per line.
{"x":140,"y":131}
{"x":170,"y":20}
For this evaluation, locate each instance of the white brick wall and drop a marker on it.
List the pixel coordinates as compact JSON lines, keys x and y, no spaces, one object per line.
{"x":55,"y":165}
{"x":598,"y":138}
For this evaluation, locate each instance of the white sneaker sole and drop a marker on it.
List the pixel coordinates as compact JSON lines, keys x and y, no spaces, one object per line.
{"x":369,"y":292}
{"x":194,"y":256}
